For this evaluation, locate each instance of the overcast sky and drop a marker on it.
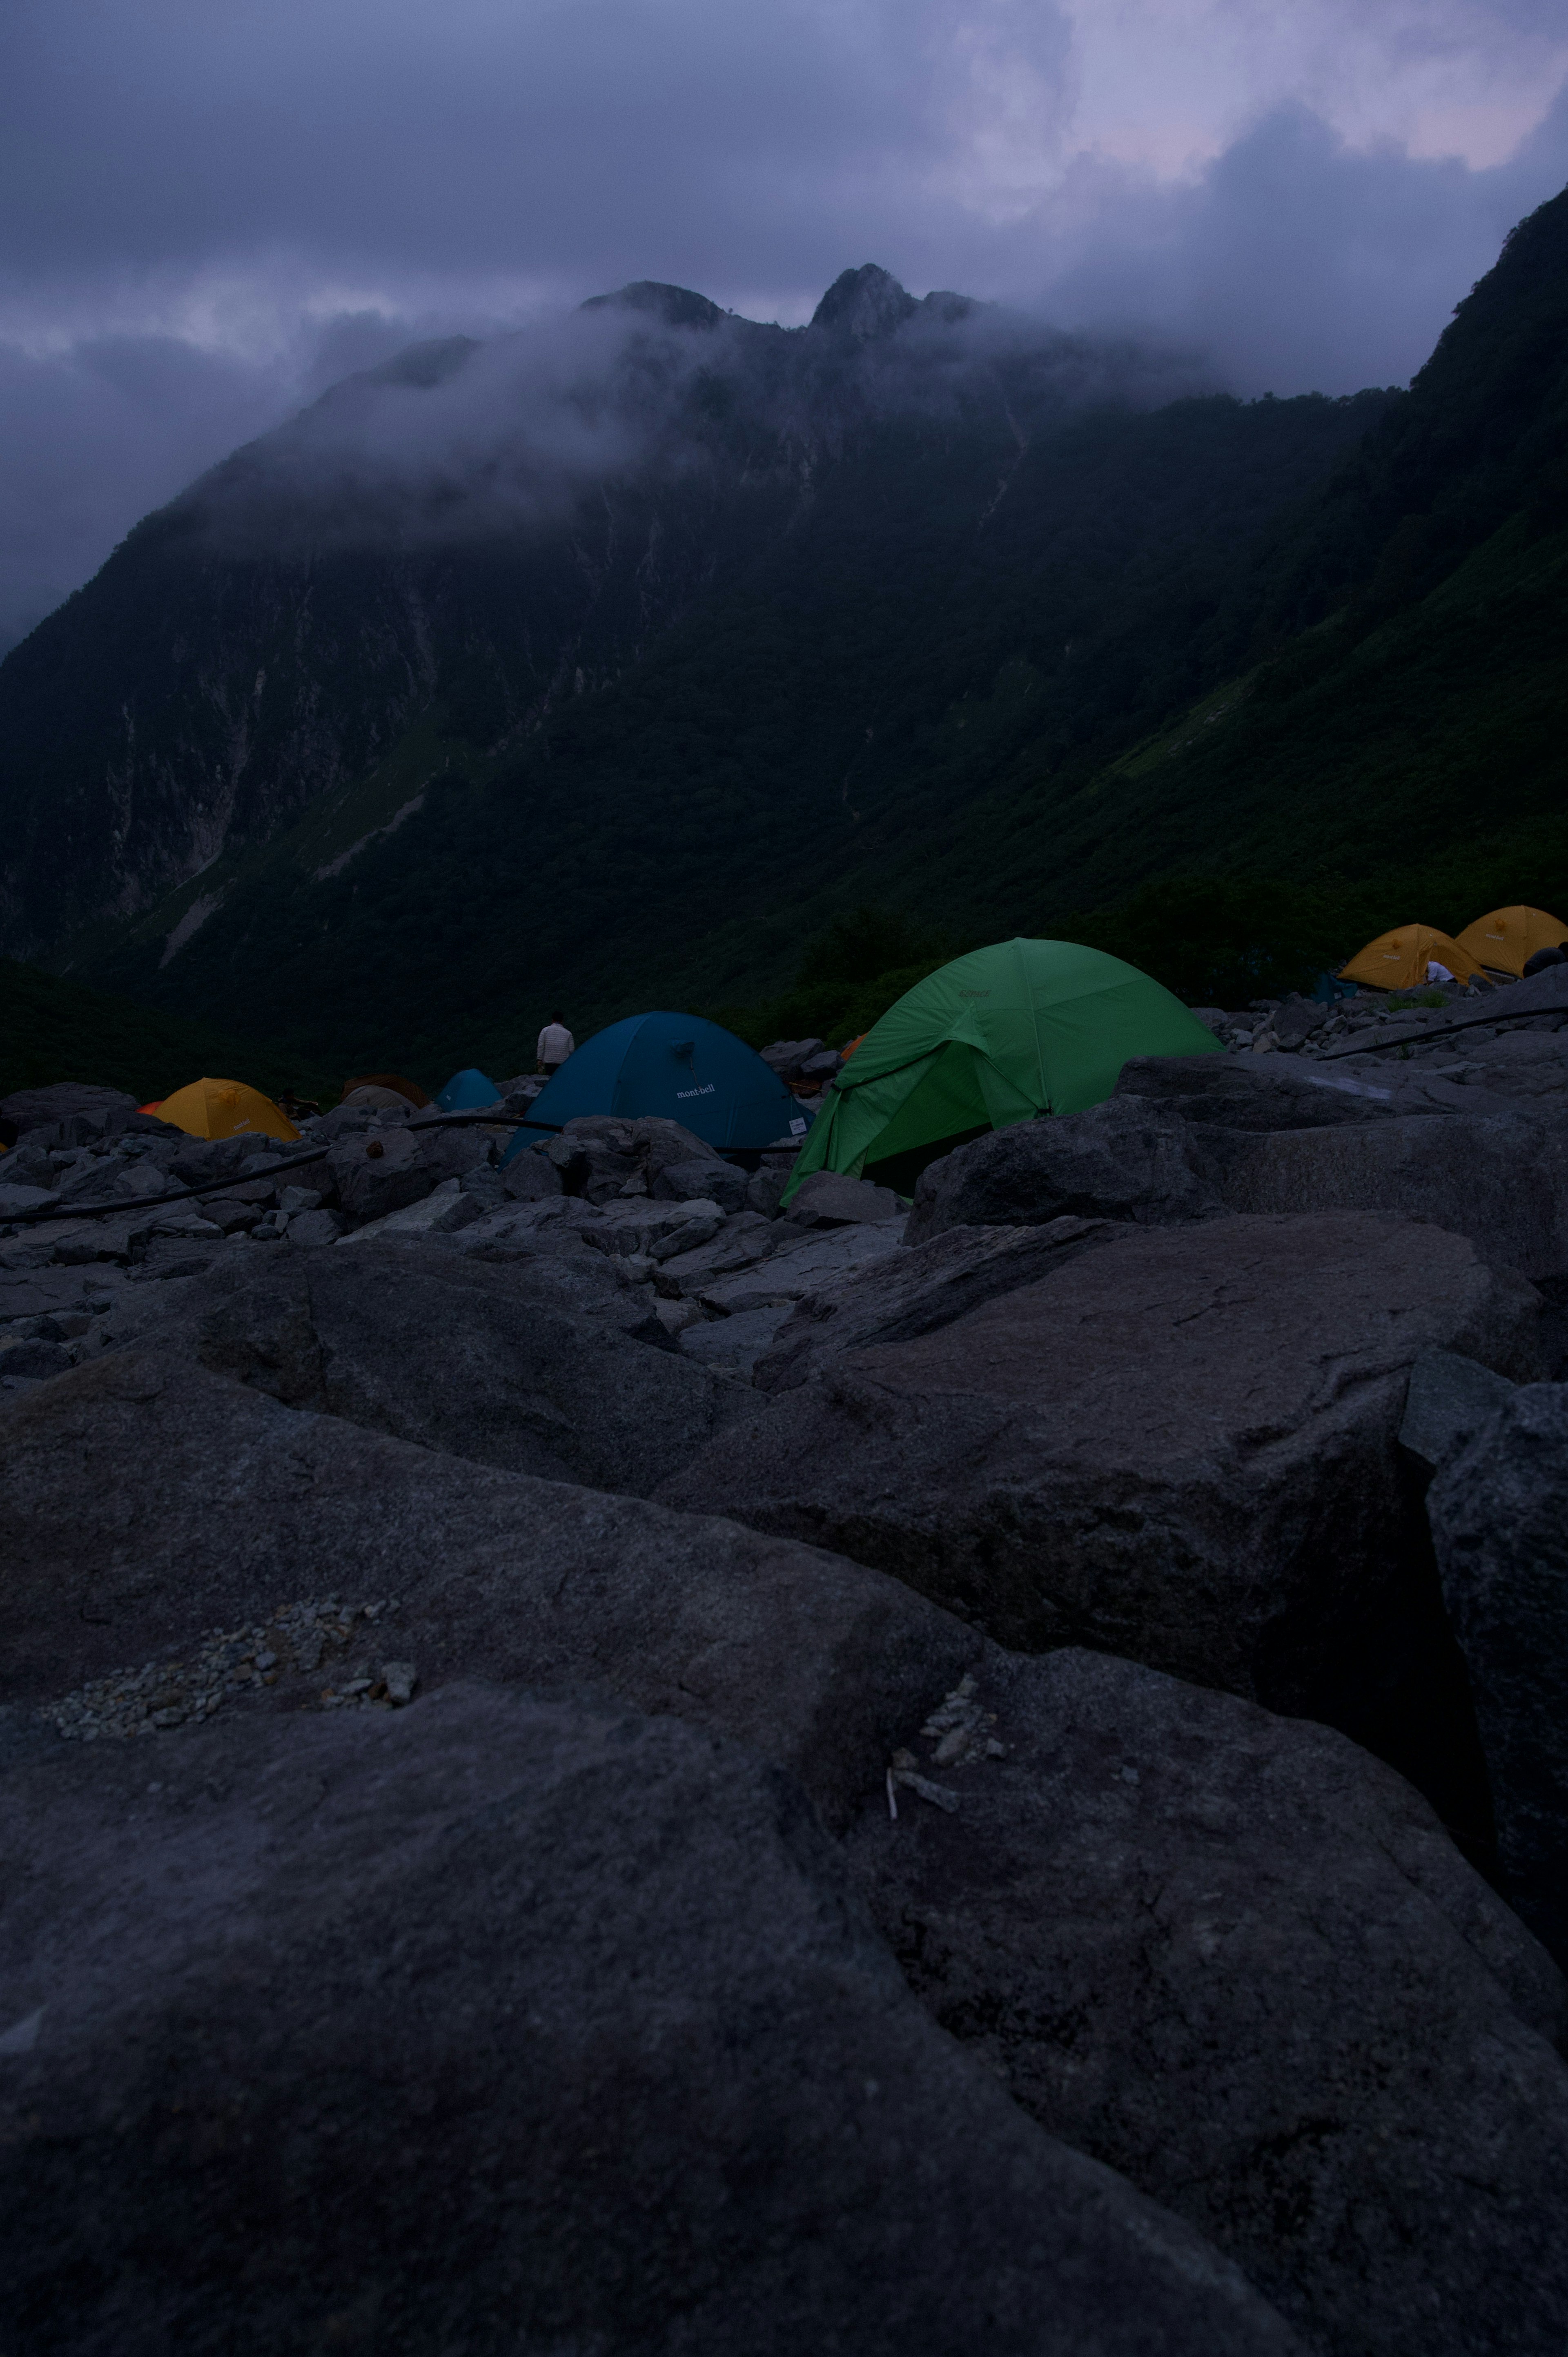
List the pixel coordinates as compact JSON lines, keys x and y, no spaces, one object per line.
{"x":210,"y":208}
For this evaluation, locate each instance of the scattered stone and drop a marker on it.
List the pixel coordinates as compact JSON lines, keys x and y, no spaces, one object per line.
{"x":224,"y":1666}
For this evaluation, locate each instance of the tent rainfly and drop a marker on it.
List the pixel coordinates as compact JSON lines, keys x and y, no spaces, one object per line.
{"x":225,"y":1109}
{"x":679,"y":1068}
{"x":392,"y":1083}
{"x":1504,"y":938}
{"x":1021,"y":1029}
{"x":468,"y":1091}
{"x":1398,"y":961}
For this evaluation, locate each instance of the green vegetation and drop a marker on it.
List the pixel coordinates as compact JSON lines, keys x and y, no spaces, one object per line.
{"x":1226,"y":687}
{"x":52,"y":1030}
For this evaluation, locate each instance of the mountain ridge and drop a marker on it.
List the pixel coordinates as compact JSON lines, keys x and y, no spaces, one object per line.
{"x":906,"y":604}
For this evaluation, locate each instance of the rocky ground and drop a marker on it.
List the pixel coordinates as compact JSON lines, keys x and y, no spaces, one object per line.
{"x":592,"y":1766}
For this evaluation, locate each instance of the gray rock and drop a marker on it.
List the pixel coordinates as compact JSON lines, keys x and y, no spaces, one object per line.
{"x":915,"y":1292}
{"x":764,"y":1189}
{"x":707,"y":1181}
{"x":815,"y":1662}
{"x":1120,"y":1160}
{"x":308,"y":1231}
{"x":1250,"y":1092}
{"x":34,"y":1359}
{"x":733,"y":1344}
{"x":1499,"y":1511}
{"x":795,"y":1269}
{"x":630,"y":2070}
{"x":385,"y":1170}
{"x":1449,"y":1400}
{"x":1236,"y":1959}
{"x":531,"y":1177}
{"x":788,"y":1058}
{"x":462,"y":1355}
{"x":24,"y":1199}
{"x":1500,"y":1180}
{"x":1297,"y":1020}
{"x":66,"y":1100}
{"x":830,"y":1200}
{"x":740,"y":1243}
{"x":1180,"y":1447}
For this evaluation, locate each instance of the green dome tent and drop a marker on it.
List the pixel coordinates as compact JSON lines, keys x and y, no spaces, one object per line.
{"x":1023,"y":1027}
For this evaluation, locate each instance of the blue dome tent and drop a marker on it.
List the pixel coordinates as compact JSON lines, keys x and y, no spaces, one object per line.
{"x":676,"y":1066}
{"x":467,"y":1092}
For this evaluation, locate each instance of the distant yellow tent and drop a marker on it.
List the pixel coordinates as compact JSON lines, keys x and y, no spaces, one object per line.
{"x":224,"y":1109}
{"x":1398,"y":961}
{"x":1505,"y":938}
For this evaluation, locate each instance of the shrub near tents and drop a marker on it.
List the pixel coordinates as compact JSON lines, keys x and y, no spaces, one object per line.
{"x":1021,"y":1029}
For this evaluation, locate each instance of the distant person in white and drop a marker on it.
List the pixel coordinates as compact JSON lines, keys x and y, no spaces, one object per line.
{"x":555,"y":1044}
{"x":1434,"y":972}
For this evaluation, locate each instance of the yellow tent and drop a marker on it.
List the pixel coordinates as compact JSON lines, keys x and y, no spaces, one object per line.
{"x":224,"y":1109}
{"x":1398,"y":961}
{"x":1504,"y":938}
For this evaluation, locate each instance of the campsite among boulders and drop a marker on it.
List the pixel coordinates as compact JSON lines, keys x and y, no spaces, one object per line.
{"x":607,"y":1747}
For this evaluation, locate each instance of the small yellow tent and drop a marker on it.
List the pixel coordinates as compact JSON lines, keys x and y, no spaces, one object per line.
{"x":224,"y":1109}
{"x":1398,"y":961}
{"x":1506,"y":937}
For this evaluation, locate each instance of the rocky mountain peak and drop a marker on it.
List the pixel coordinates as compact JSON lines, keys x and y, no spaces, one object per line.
{"x":677,"y":306}
{"x":864,"y":303}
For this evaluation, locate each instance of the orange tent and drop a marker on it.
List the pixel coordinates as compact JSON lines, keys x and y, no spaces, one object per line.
{"x":1506,"y":937}
{"x":225,"y":1109}
{"x":1398,"y":961}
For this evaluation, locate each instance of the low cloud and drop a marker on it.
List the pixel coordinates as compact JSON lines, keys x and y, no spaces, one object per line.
{"x":209,"y":214}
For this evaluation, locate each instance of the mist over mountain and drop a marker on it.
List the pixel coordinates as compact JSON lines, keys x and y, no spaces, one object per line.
{"x":600,"y":662}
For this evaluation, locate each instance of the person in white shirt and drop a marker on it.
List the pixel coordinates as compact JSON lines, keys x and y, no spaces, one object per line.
{"x":1437,"y":972}
{"x":555,"y":1044}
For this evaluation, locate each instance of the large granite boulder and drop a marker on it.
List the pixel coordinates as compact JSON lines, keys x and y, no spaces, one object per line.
{"x":525,"y":1365}
{"x":381,"y":1170}
{"x":1180,"y":1446}
{"x":915,"y":1292}
{"x":1499,"y":1511}
{"x":500,"y":2025}
{"x":1120,"y":1160}
{"x":1236,"y":1959}
{"x":1255,"y":1092}
{"x":147,"y":1502}
{"x":1500,"y":1180}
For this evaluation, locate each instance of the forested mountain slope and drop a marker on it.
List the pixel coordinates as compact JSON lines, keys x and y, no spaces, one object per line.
{"x":600,"y":665}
